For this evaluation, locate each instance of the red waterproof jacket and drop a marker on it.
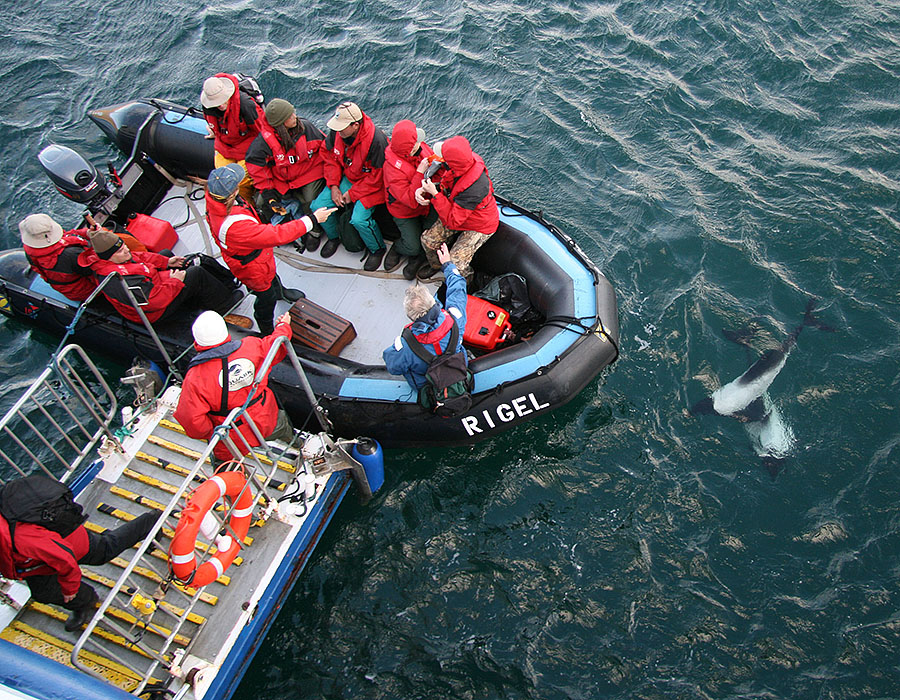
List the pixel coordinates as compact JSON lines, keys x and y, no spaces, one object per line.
{"x":236,"y":127}
{"x":273,"y":167}
{"x":401,"y":179}
{"x":200,"y":405}
{"x":58,"y":265}
{"x":470,"y":204}
{"x":247,"y":244}
{"x":361,"y":161}
{"x":42,"y":552}
{"x":147,"y":271}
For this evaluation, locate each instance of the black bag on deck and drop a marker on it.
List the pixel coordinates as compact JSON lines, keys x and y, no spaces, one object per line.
{"x":448,"y":388}
{"x":43,"y":501}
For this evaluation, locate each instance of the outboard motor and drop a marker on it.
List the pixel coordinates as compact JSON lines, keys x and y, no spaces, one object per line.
{"x":74,"y":177}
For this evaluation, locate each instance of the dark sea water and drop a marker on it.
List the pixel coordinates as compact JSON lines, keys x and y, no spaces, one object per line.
{"x":722,"y":162}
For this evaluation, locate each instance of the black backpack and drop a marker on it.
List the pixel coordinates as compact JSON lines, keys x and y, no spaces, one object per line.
{"x":448,"y":388}
{"x":43,"y":501}
{"x":247,"y":84}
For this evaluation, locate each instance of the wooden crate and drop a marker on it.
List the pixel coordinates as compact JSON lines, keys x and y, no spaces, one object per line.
{"x":318,"y":328}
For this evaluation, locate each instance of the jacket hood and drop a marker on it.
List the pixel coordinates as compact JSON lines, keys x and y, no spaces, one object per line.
{"x":457,"y":154}
{"x":404,"y":137}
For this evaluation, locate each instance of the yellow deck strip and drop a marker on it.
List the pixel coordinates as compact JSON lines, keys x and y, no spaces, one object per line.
{"x":136,"y":498}
{"x":111,"y":637}
{"x":118,"y":614}
{"x":58,"y":650}
{"x":182,"y":471}
{"x":168,"y":532}
{"x":156,"y":578}
{"x":165,"y":605}
{"x":188,"y":452}
{"x":150,"y":481}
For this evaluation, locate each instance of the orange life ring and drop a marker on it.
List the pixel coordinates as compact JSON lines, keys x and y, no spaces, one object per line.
{"x":181,"y":549}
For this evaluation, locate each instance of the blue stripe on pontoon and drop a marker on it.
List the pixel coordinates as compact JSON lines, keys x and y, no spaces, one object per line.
{"x":393,"y":390}
{"x":40,"y":286}
{"x":188,"y":122}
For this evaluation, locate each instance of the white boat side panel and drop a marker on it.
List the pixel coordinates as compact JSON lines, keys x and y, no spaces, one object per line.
{"x":7,"y":693}
{"x":17,"y":591}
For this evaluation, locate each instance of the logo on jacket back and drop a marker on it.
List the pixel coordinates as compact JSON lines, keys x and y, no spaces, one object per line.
{"x":240,"y":374}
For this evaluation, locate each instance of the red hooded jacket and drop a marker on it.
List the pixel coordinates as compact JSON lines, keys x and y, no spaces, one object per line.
{"x":470,"y":204}
{"x":42,"y":552}
{"x":58,"y":265}
{"x":200,"y":404}
{"x":361,"y":161}
{"x":401,"y":179}
{"x":147,"y":271}
{"x":236,"y":127}
{"x":247,"y":244}
{"x":273,"y":167}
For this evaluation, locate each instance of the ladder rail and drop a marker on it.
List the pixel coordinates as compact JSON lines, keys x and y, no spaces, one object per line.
{"x":100,"y":407}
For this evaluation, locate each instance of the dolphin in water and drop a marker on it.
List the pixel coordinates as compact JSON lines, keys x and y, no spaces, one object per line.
{"x":747,"y":400}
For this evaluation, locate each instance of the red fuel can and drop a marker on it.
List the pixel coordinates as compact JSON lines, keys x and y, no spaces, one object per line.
{"x":154,"y":233}
{"x":486,"y":324}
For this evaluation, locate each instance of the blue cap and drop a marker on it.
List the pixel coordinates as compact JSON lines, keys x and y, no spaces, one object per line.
{"x":224,"y":181}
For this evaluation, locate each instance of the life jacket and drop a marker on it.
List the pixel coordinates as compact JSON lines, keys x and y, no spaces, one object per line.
{"x":294,"y":168}
{"x":401,"y":180}
{"x":255,"y":267}
{"x":361,"y":162}
{"x":233,"y":135}
{"x":204,"y":402}
{"x":472,"y":206}
{"x":58,"y":273}
{"x":155,"y":285}
{"x":7,"y":565}
{"x":42,"y":552}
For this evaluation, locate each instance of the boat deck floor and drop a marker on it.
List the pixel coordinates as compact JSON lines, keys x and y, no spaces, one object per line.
{"x":371,"y":301}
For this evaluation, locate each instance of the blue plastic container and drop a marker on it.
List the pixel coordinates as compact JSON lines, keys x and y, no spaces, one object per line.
{"x":368,"y":453}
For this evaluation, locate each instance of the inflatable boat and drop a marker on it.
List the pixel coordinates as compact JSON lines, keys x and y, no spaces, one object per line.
{"x":566,"y":336}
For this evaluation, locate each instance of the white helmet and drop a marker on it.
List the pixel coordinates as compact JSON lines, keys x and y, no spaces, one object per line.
{"x":209,"y":329}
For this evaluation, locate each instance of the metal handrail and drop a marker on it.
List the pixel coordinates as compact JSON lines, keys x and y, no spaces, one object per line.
{"x":63,"y":371}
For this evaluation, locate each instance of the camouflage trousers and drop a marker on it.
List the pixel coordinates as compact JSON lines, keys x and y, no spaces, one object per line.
{"x":462,"y":249}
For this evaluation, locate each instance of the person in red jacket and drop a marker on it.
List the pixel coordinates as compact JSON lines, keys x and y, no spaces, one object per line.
{"x":160,"y":284}
{"x":50,"y":563}
{"x":53,"y":254}
{"x":464,"y":201}
{"x":247,"y":244}
{"x":286,"y":164}
{"x":233,"y":117}
{"x":405,"y":161}
{"x":219,"y":378}
{"x":354,"y":159}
